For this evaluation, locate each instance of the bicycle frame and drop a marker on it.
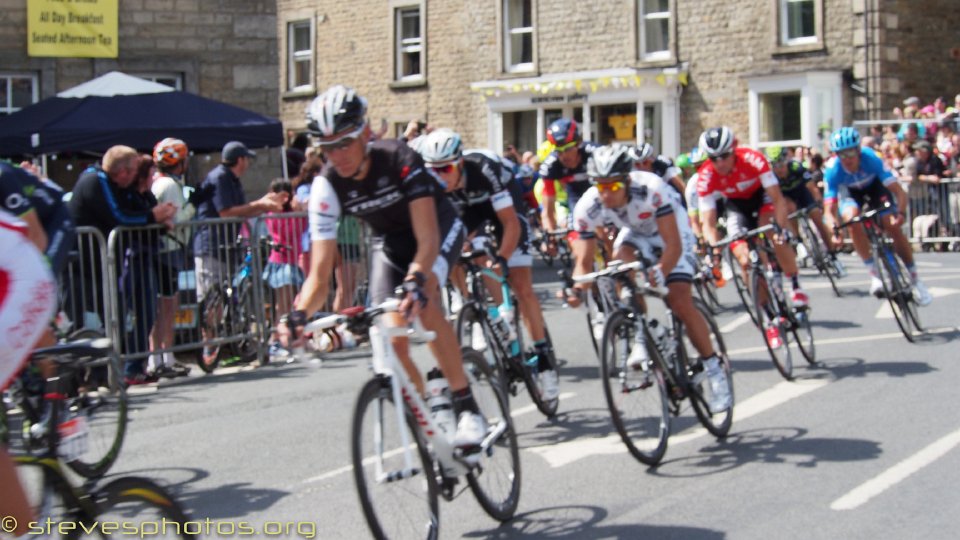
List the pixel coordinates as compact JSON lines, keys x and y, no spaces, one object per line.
{"x":475,"y":273}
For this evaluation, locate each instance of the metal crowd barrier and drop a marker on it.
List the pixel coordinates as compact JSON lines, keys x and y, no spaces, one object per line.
{"x":160,"y":295}
{"x":85,"y":287}
{"x":933,"y":212}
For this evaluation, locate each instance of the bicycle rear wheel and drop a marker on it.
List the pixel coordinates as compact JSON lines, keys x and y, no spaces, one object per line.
{"x":818,"y":252}
{"x":718,"y":424}
{"x":637,"y":399}
{"x":473,"y":332}
{"x":743,"y":291}
{"x":141,"y":503}
{"x":772,"y":325}
{"x":243,"y":320}
{"x":803,"y":333}
{"x":531,"y":377}
{"x":210,"y":322}
{"x":394,"y":505}
{"x":495,"y":481}
{"x":897,"y":288}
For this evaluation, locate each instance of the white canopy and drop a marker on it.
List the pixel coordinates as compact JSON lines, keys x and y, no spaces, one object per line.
{"x":115,"y":83}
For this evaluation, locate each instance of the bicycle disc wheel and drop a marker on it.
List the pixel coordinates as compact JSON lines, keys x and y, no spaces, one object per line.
{"x":897,"y":290}
{"x":210,"y":322}
{"x":531,"y":377}
{"x":637,"y":399}
{"x":803,"y":333}
{"x":97,"y":394}
{"x":718,"y":424}
{"x":495,"y":482}
{"x":772,"y":326}
{"x":141,"y":503}
{"x":394,"y":507}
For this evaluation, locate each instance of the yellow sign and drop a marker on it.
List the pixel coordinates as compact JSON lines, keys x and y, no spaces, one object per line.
{"x":72,"y":28}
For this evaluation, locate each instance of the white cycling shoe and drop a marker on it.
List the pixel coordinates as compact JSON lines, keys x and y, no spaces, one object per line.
{"x":471,"y":430}
{"x":549,"y":385}
{"x":876,"y":287}
{"x":923,"y":295}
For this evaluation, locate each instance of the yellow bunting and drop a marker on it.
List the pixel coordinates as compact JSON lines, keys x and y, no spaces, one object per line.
{"x":682,"y":78}
{"x":661,"y":80}
{"x":578,"y":84}
{"x":593,"y":86}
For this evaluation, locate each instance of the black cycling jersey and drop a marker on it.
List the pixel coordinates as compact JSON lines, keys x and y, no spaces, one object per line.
{"x":487,"y":188}
{"x":797,"y":176}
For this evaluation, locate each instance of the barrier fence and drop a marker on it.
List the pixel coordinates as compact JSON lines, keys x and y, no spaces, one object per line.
{"x":211,"y":287}
{"x":933,"y":213}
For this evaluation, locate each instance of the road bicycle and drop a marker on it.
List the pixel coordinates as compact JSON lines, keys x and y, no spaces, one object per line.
{"x":403,"y":458}
{"x":126,"y":505}
{"x":775,"y":317}
{"x":500,"y":337}
{"x":551,"y":245}
{"x":91,"y":393}
{"x":641,"y":401}
{"x":705,"y":283}
{"x":816,"y":249}
{"x":897,"y":283}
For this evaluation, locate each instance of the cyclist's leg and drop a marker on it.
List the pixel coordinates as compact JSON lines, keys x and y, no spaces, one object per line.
{"x":629,"y":247}
{"x":739,"y":222}
{"x":680,"y":298}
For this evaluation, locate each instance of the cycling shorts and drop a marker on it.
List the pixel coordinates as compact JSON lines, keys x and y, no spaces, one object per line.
{"x":649,"y":249}
{"x":800,"y":196}
{"x":28,"y":297}
{"x":743,"y":214}
{"x":521,"y":256}
{"x":873,"y":196}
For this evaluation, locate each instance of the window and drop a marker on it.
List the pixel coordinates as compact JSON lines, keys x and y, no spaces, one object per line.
{"x":173,"y":80}
{"x":300,"y":55}
{"x":798,"y":21}
{"x":520,"y":130}
{"x":614,"y":123}
{"x":518,"y":35}
{"x":795,"y":109}
{"x":17,"y":91}
{"x":654,"y":29}
{"x":780,"y":116}
{"x":409,"y":44}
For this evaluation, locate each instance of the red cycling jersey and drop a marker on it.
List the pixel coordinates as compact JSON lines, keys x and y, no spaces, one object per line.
{"x":751,"y":172}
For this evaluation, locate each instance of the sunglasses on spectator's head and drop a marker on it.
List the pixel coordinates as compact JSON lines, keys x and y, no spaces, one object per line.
{"x":339,"y":144}
{"x":443,"y":169}
{"x":612,"y":187}
{"x":849,"y":153}
{"x":720,"y":157}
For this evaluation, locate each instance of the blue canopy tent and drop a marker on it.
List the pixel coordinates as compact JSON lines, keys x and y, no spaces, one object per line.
{"x":95,"y":122}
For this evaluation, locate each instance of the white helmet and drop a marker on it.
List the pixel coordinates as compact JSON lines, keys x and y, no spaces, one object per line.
{"x":717,"y":141}
{"x":338,"y":111}
{"x":440,"y":146}
{"x":609,"y":162}
{"x":641,"y":152}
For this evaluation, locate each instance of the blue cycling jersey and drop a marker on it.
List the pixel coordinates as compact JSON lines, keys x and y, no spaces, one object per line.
{"x":872,"y":169}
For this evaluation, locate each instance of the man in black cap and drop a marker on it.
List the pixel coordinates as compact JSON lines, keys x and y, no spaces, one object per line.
{"x":220,"y":195}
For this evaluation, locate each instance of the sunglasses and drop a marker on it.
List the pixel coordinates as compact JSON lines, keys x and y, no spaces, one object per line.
{"x":567,"y":146}
{"x":720,"y":157}
{"x":612,"y":187}
{"x":849,"y":153}
{"x":444,"y":169}
{"x":337,"y":145}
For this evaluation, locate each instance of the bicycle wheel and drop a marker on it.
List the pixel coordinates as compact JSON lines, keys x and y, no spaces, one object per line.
{"x":818,"y":252}
{"x":46,"y":489}
{"x":637,"y":399}
{"x":707,"y":291}
{"x":742,"y":290}
{"x":97,"y":395}
{"x":595,"y":317}
{"x":495,"y":482}
{"x":773,"y":329}
{"x":394,"y":506}
{"x":803,"y":333}
{"x":896,"y":288}
{"x":531,"y":377}
{"x":210,"y":321}
{"x":718,"y":424}
{"x":911,"y":307}
{"x":141,"y":503}
{"x":243,"y":320}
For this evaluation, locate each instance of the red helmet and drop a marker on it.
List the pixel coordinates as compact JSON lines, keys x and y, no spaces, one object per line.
{"x":170,"y":152}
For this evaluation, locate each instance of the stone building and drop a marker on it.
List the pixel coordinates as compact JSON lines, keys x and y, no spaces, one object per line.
{"x":499,"y":71}
{"x":223,"y":50}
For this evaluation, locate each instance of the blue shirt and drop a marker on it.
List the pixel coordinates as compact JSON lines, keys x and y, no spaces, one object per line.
{"x":219,"y":191}
{"x":872,"y":169}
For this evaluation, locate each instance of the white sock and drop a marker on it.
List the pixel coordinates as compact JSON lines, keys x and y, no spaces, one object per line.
{"x":169,"y":359}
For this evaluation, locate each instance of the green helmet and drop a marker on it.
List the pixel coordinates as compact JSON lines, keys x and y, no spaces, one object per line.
{"x":776,"y":154}
{"x":683,"y":161}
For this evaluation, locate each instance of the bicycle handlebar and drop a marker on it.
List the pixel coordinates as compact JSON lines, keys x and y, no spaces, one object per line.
{"x":616,"y":268}
{"x":864,"y":216}
{"x":746,"y":234}
{"x":363,"y":318}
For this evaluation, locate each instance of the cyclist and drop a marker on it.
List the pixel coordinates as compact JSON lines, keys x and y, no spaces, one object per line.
{"x":417,"y":237}
{"x":697,"y":158}
{"x":27,"y":303}
{"x":650,"y":218}
{"x":753,"y":198}
{"x":860,"y":173}
{"x":567,"y":164}
{"x":646,"y":159}
{"x":797,"y":185}
{"x":485,"y":191}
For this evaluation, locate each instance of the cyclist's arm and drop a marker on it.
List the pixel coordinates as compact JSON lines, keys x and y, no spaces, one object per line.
{"x":511,"y":231}
{"x":35,"y":231}
{"x":323,"y":254}
{"x":897,"y":190}
{"x":780,"y":209}
{"x":672,"y":244}
{"x":423,"y":215}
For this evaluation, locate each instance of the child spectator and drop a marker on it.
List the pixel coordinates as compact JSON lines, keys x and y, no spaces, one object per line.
{"x":281,"y":272}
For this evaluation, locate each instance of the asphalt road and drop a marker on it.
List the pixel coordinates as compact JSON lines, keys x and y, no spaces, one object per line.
{"x":862,"y":446}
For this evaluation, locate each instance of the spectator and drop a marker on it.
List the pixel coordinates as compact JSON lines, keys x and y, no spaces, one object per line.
{"x":221,"y":196}
{"x":930,"y":171}
{"x":105,"y":197}
{"x":170,"y":156}
{"x":948,"y":143}
{"x":281,"y":273}
{"x":301,"y":198}
{"x":296,"y":154}
{"x":510,"y":152}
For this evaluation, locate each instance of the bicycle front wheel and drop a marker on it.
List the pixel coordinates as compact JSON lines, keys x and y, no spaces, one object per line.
{"x":772,"y":325}
{"x":897,"y":288}
{"x":818,"y":252}
{"x":718,"y":424}
{"x":141,"y":503}
{"x":743,"y":291}
{"x":496,"y":481}
{"x":473,"y":332}
{"x":397,"y":502}
{"x":531,"y":377}
{"x":637,"y":399}
{"x":910,"y":306}
{"x":803,"y":333}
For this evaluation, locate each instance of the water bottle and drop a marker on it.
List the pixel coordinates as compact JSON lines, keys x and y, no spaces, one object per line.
{"x":506,"y":313}
{"x":659,"y":333}
{"x":439,"y":402}
{"x":496,"y":322}
{"x":719,"y":389}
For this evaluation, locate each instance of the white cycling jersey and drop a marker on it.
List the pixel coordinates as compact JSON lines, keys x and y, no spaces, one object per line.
{"x":690,"y":194}
{"x":28,"y":296}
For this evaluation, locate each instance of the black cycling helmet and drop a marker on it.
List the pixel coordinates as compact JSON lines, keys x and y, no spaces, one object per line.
{"x":717,"y":141}
{"x":563,"y":132}
{"x":338,"y":111}
{"x":609,"y":162}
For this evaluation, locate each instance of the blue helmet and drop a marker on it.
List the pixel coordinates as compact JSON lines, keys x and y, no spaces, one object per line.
{"x":562,"y":132}
{"x":844,"y":138}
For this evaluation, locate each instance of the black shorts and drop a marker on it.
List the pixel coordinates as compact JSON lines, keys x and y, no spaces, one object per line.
{"x":61,"y":240}
{"x":168,"y":273}
{"x":800,"y":196}
{"x":390,"y":257}
{"x":873,"y":196}
{"x":743,"y":214}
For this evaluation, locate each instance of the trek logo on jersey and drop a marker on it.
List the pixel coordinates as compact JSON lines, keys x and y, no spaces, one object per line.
{"x":380,"y":202}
